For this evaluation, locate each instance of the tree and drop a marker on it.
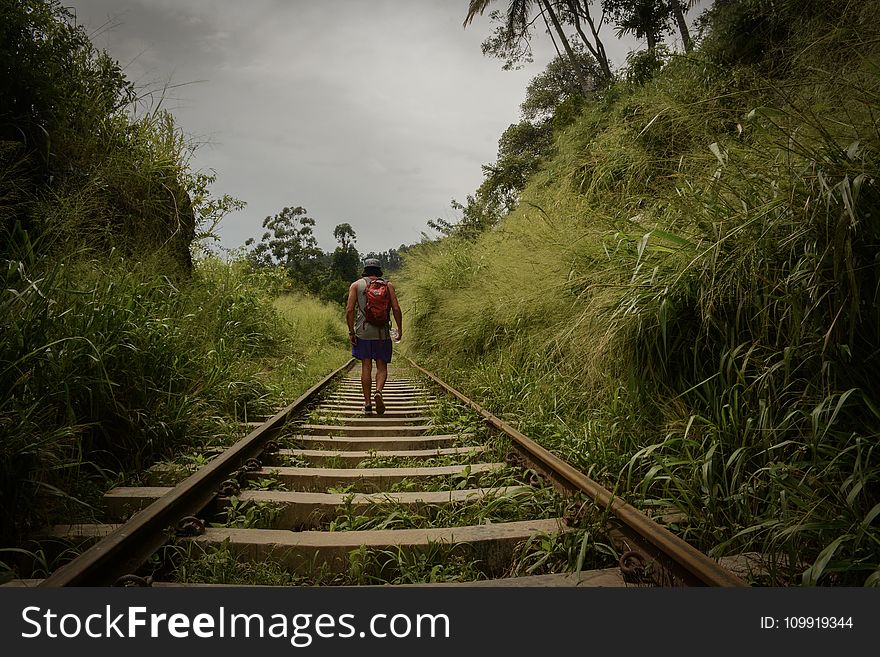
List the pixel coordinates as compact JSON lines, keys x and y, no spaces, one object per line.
{"x":679,"y":8}
{"x":519,"y":152}
{"x":345,"y":263}
{"x":647,"y":19}
{"x":289,"y":241}
{"x":479,"y":213}
{"x":517,"y":26}
{"x":209,"y":210}
{"x":556,"y":84}
{"x":391,"y":259}
{"x":344,"y":234}
{"x":580,"y":10}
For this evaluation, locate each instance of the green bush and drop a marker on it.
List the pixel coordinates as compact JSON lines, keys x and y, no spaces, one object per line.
{"x":77,"y":169}
{"x":109,"y":366}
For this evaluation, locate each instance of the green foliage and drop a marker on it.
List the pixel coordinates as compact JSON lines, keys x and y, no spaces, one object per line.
{"x":335,"y":291}
{"x":519,"y":151}
{"x":764,"y":35}
{"x":289,"y":244}
{"x":646,"y":19}
{"x":479,"y":213}
{"x":77,"y":170}
{"x":437,"y":563}
{"x":220,"y":565}
{"x":509,"y":42}
{"x":555,"y":84}
{"x":209,"y":210}
{"x":511,"y":506}
{"x":318,"y":343}
{"x":250,"y":515}
{"x":109,"y":366}
{"x":289,"y":241}
{"x":511,"y":38}
{"x":115,"y":350}
{"x":53,"y":80}
{"x":345,"y":265}
{"x":684,"y":302}
{"x":345,"y":235}
{"x":570,"y":551}
{"x":642,"y":66}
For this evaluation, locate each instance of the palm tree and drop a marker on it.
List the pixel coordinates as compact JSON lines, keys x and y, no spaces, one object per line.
{"x":518,"y":12}
{"x":644,"y":18}
{"x":650,"y":18}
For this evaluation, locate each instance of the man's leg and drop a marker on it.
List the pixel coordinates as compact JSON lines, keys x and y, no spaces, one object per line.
{"x":381,"y":377}
{"x":367,"y":379}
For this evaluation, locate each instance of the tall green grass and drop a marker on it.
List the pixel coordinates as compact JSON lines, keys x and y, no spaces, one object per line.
{"x":685,"y":302}
{"x":107,"y":366}
{"x":317,"y":342}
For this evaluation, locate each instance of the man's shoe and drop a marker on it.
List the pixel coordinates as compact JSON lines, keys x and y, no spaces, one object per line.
{"x":380,"y":405}
{"x":368,"y":410}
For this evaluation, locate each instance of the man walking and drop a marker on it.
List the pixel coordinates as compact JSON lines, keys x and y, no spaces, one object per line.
{"x":371,"y":300}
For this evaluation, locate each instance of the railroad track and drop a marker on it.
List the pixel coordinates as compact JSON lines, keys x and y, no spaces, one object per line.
{"x":437,"y":488}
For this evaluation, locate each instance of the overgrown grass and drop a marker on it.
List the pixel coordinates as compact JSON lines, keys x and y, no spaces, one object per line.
{"x":510,"y":506}
{"x":115,"y":349}
{"x":686,"y":302}
{"x":580,"y":548}
{"x":317,"y":345}
{"x":437,"y":563}
{"x":107,"y":368}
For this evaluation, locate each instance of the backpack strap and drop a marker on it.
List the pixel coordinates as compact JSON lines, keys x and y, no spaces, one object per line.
{"x":363,"y":291}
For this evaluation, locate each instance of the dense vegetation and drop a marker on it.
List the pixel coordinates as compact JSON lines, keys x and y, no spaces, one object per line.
{"x":682,"y":294}
{"x":117,"y":347}
{"x":669,"y":276}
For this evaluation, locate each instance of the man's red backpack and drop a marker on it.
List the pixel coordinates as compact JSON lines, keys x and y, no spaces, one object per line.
{"x":378,"y":307}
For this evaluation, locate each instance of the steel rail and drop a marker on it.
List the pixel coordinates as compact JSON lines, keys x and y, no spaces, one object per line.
{"x":697,"y":565}
{"x":124,"y":550}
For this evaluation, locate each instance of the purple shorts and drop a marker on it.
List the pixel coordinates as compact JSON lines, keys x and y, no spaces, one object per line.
{"x":373,"y":349}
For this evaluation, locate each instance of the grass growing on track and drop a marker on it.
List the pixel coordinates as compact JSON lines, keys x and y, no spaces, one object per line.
{"x":439,"y":563}
{"x":585,"y":548}
{"x":505,"y":476}
{"x":582,"y":548}
{"x":529,"y":504}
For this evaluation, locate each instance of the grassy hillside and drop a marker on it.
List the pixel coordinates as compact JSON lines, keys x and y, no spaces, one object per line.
{"x":116,"y":349}
{"x":107,"y":367}
{"x":684,"y":302}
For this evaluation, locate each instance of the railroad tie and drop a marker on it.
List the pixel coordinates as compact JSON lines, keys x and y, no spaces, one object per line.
{"x":340,"y":484}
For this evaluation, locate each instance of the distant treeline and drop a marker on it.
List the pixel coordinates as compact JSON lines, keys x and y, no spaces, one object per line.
{"x":289,"y":244}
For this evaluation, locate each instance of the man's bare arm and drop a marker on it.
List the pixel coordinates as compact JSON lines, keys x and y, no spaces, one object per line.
{"x":349,"y":311}
{"x":395,"y":309}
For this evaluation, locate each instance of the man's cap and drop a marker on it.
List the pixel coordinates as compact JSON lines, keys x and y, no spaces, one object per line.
{"x":372,"y":262}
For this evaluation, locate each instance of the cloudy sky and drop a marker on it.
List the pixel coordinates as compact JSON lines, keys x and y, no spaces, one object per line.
{"x":371,"y":112}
